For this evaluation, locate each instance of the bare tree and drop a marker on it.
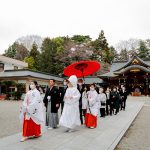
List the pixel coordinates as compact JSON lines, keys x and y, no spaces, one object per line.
{"x":129,"y":45}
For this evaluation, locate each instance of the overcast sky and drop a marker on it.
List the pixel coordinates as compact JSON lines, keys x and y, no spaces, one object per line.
{"x":120,"y":19}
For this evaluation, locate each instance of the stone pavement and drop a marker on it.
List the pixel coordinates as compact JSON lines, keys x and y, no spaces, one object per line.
{"x":105,"y":137}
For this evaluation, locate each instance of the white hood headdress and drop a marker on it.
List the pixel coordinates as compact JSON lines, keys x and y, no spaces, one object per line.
{"x":73,"y":80}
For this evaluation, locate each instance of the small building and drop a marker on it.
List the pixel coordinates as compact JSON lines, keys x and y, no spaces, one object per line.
{"x":134,"y":74}
{"x":12,"y":70}
{"x":7,"y":63}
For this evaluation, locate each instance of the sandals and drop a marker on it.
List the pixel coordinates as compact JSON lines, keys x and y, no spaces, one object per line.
{"x":24,"y":139}
{"x":37,"y":136}
{"x":92,"y":127}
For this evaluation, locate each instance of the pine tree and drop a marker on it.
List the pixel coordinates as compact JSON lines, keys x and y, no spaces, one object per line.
{"x":47,"y":57}
{"x":34,"y":54}
{"x":81,"y":39}
{"x":34,"y":51}
{"x":11,"y":51}
{"x":58,"y":43}
{"x":101,"y":49}
{"x":144,"y":51}
{"x":113,"y":54}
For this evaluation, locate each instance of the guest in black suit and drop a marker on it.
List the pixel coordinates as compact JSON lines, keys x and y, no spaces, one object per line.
{"x":123,"y":95}
{"x":52,"y":102}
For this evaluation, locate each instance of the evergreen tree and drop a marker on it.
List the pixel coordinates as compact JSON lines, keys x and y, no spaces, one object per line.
{"x":17,"y":51}
{"x":11,"y":51}
{"x":101,"y":50}
{"x":47,"y":57}
{"x":144,"y":51}
{"x":31,"y":63}
{"x":34,"y":54}
{"x":81,"y":39}
{"x":34,"y":51}
{"x":59,"y":46}
{"x":101,"y":42}
{"x":113,"y":54}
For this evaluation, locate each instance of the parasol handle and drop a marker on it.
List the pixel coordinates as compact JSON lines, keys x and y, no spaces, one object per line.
{"x":83,"y":75}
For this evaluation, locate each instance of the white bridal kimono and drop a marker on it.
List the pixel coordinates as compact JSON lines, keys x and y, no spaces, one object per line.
{"x":94,"y":104}
{"x":33,"y":107}
{"x":70,"y":117}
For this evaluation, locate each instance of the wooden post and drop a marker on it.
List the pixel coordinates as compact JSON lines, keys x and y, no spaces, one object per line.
{"x":27,"y":85}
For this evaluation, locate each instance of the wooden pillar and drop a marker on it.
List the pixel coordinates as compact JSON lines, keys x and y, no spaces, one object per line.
{"x":27,"y":85}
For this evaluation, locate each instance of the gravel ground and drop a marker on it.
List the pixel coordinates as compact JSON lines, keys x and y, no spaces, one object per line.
{"x":138,"y":135}
{"x":9,"y":117}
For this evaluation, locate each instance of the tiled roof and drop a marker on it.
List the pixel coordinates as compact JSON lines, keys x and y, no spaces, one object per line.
{"x":120,"y":65}
{"x":13,"y":61}
{"x":116,"y":66}
{"x":28,"y":73}
{"x":35,"y":74}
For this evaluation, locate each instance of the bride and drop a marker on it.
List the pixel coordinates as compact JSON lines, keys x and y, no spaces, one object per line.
{"x":70,"y":117}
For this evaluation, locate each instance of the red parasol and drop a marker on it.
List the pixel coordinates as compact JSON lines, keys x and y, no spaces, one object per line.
{"x":82,"y":68}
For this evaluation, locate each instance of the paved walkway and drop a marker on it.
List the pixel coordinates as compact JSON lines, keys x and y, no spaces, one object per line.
{"x":105,"y":137}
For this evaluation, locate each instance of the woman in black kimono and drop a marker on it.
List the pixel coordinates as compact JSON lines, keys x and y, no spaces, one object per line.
{"x":115,"y":100}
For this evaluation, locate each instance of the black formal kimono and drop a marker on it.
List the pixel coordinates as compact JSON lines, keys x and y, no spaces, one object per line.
{"x":123,"y":96}
{"x":115,"y":100}
{"x":51,"y":108}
